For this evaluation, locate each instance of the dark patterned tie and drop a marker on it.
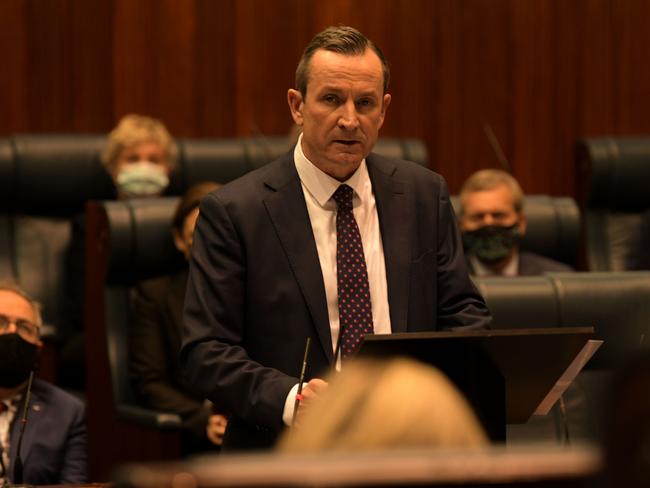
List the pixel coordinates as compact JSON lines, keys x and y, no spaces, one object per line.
{"x":355,"y":312}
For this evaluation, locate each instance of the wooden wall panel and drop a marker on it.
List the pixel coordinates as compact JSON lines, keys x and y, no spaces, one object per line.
{"x":154,"y":45}
{"x":267,"y":50}
{"x":541,"y":73}
{"x":633,"y":73}
{"x":214,"y":68}
{"x":13,"y":52}
{"x":91,"y":96}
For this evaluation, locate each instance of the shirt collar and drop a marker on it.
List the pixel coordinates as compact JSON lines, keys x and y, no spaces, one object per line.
{"x":321,"y":185}
{"x":511,"y":269}
{"x":12,"y":401}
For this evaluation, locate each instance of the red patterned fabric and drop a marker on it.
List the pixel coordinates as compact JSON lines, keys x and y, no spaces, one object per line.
{"x":355,"y":311}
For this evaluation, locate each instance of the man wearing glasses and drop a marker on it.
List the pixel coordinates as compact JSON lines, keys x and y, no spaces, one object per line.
{"x":53,"y":445}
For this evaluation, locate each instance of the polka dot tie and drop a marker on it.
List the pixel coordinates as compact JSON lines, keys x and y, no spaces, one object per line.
{"x":355,"y":312}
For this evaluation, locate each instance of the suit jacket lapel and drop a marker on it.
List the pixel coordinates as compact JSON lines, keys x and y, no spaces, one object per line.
{"x":288,"y":212}
{"x":34,"y":415}
{"x":396,"y":223}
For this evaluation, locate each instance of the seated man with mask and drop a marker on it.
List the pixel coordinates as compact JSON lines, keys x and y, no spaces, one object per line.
{"x":493,"y":223}
{"x":51,"y":445}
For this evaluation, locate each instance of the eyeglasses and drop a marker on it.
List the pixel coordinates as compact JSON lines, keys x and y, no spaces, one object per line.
{"x":24,"y":327}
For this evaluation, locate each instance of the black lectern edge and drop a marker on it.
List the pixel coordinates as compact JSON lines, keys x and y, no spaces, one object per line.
{"x":494,"y":409}
{"x":442,"y":334}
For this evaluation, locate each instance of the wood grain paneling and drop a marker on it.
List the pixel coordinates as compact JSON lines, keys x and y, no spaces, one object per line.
{"x":13,"y":52}
{"x":215,"y":70}
{"x":540,"y":73}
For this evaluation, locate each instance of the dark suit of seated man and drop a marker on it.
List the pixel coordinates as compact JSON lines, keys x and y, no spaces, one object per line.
{"x":331,"y":241}
{"x":53,"y":448}
{"x":493,"y":222}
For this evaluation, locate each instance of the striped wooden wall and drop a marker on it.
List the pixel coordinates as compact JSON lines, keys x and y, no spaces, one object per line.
{"x":540,"y":73}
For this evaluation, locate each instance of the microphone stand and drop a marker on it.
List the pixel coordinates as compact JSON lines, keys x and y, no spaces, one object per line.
{"x":496,"y":147}
{"x":337,"y":349}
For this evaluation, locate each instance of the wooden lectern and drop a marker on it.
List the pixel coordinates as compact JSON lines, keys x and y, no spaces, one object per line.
{"x":504,"y":374}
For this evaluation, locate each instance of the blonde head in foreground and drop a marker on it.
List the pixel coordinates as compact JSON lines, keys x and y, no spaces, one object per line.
{"x":397,"y":403}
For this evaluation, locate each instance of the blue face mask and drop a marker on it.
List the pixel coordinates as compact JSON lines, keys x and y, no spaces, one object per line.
{"x":492,"y":243}
{"x":143,"y":179}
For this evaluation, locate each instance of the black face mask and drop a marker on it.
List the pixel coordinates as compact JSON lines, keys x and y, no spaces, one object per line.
{"x":17,"y":359}
{"x":492,"y":243}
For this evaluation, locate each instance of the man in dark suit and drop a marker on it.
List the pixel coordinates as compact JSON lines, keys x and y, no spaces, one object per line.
{"x":288,"y":252}
{"x":493,"y":222}
{"x":53,"y":448}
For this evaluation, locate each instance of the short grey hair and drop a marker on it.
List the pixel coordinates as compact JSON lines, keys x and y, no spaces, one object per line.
{"x":489,"y":179}
{"x":13,"y":287}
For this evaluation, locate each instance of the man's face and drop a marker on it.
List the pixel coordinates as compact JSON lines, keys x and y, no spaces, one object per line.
{"x":342,"y":112}
{"x":17,"y":316}
{"x":491,"y":207}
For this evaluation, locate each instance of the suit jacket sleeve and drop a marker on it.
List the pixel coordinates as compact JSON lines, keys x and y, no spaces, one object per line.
{"x":459,"y":302}
{"x":75,"y":457}
{"x":214,"y":354}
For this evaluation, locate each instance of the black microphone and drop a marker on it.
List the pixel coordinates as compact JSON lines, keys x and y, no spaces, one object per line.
{"x":496,"y":147}
{"x":18,"y":462}
{"x":337,"y":349}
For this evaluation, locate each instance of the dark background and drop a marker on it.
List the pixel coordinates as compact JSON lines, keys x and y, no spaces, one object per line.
{"x":541,"y":73}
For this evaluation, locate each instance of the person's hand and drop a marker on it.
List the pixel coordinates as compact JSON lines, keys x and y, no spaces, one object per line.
{"x":310,"y":391}
{"x":216,"y":428}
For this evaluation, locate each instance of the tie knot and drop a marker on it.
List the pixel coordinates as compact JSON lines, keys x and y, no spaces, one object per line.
{"x":343,"y":197}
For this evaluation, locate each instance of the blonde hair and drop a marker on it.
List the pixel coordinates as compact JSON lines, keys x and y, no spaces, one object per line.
{"x":399,"y":403}
{"x":489,"y":179}
{"x":137,"y":129}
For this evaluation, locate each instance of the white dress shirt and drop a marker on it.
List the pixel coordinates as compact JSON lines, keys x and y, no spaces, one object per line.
{"x":318,"y":188}
{"x":6,"y":419}
{"x":510,"y":269}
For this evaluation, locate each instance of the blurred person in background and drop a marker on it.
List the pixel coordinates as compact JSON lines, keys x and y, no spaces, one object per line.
{"x":53,"y":449}
{"x":155,"y":339}
{"x":493,"y":223}
{"x":396,"y":403}
{"x":139,"y":156}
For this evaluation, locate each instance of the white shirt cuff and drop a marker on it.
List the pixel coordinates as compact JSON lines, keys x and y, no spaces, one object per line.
{"x":287,"y":414}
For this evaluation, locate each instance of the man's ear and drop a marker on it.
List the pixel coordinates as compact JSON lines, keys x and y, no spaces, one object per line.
{"x":384,"y":106}
{"x":294,"y":97}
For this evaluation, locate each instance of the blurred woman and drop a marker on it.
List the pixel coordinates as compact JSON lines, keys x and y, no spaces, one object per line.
{"x":396,"y":403}
{"x":155,"y":339}
{"x":139,"y":157}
